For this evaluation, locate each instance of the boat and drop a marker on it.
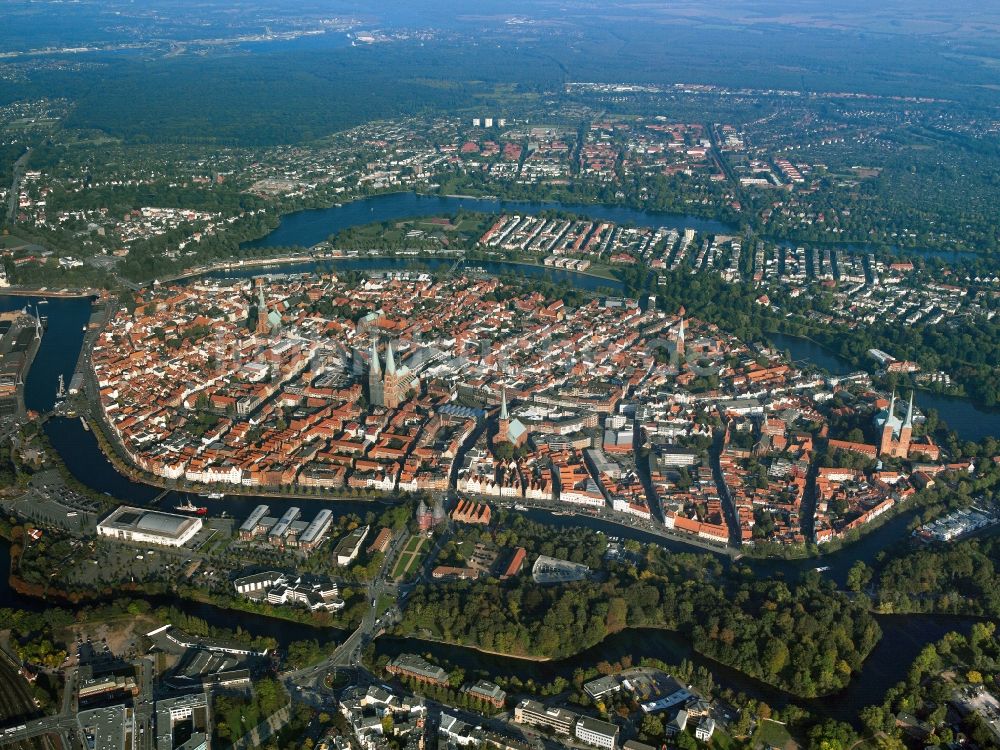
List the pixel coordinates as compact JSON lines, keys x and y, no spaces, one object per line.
{"x":518,"y":506}
{"x":84,"y":423}
{"x":213,"y":495}
{"x":188,"y":507}
{"x":61,"y":393}
{"x":822,"y":569}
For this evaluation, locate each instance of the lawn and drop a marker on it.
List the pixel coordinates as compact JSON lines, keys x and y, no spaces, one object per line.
{"x":384,"y":602}
{"x":773,"y":734}
{"x":409,"y":558}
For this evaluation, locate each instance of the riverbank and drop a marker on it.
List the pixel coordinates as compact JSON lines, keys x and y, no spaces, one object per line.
{"x":472,"y":647}
{"x":123,"y":466}
{"x":49,"y":293}
{"x":557,"y":508}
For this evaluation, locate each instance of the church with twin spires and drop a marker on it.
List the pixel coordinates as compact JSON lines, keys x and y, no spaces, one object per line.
{"x":388,"y":388}
{"x":896,"y":435}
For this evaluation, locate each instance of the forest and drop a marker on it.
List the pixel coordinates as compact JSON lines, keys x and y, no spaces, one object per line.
{"x":959,"y":578}
{"x":805,"y":639}
{"x":943,"y":674}
{"x":297,"y":91}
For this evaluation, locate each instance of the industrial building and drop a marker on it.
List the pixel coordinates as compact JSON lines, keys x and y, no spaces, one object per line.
{"x":284,"y":524}
{"x":316,"y":531}
{"x":130,"y":524}
{"x":288,"y":531}
{"x":254,"y":524}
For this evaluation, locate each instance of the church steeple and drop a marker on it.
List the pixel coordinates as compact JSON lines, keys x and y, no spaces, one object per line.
{"x":263,"y":326}
{"x":503,"y":404}
{"x":390,"y":361}
{"x":376,"y":388}
{"x":909,"y":413}
{"x":892,"y":405}
{"x":376,"y":366}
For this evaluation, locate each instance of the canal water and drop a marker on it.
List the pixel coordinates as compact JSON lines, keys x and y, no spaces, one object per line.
{"x":312,"y":226}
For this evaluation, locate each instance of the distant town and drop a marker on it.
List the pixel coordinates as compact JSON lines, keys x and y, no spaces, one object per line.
{"x":499,"y":376}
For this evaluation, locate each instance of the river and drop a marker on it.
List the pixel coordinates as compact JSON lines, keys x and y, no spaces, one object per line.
{"x":283,"y":631}
{"x":312,"y":226}
{"x":585,"y":281}
{"x":902,"y":640}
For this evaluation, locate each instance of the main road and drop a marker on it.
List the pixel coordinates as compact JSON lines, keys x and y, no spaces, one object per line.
{"x":15,"y":185}
{"x":348,"y":652}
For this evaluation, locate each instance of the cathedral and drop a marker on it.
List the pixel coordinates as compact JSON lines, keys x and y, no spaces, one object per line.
{"x":895,"y":434}
{"x":267,"y":321}
{"x":388,"y":388}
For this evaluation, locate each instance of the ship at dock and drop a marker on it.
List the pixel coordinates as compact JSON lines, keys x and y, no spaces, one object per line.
{"x":188,"y":507}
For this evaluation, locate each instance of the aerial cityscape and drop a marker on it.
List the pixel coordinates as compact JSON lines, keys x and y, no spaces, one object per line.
{"x":422,"y":375}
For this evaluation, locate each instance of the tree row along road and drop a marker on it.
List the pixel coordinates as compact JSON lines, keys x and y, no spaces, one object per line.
{"x":19,"y":166}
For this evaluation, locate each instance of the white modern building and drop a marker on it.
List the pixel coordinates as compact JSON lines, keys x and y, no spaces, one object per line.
{"x":130,"y":524}
{"x":705,"y":729}
{"x":596,"y":732}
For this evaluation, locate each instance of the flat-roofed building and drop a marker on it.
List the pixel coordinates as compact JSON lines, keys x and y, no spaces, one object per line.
{"x":349,"y":547}
{"x":313,"y":592}
{"x":602,"y":686}
{"x":171,"y":711}
{"x":141,"y":526}
{"x":107,"y":728}
{"x":533,"y":713}
{"x":107,"y":684}
{"x":596,"y":732}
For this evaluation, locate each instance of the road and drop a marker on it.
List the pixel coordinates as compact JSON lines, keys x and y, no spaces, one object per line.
{"x":348,"y":653}
{"x":65,"y":724}
{"x":15,"y":186}
{"x":145,"y":732}
{"x":728,"y":506}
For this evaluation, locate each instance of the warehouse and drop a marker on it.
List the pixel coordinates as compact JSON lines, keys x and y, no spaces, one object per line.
{"x":149,"y":527}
